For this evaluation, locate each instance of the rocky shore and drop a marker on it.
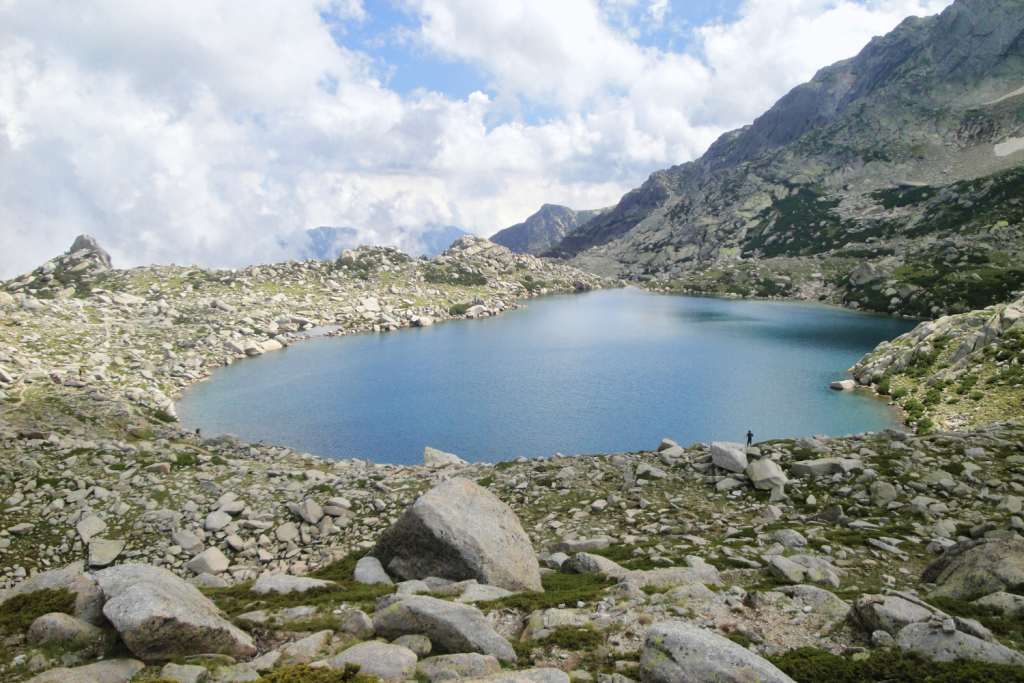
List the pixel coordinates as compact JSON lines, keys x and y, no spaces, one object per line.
{"x":134,"y":550}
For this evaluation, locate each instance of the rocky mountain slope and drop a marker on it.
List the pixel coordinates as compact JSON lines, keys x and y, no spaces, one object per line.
{"x":135,"y":550}
{"x":544,"y":229}
{"x":130,"y":339}
{"x":913,"y":144}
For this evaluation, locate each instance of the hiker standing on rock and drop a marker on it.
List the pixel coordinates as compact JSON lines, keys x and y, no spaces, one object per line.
{"x":750,"y":437}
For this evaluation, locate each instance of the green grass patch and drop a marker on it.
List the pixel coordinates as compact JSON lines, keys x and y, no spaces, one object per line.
{"x":186,"y":460}
{"x":18,"y":613}
{"x":811,"y":665}
{"x":559,"y":589}
{"x":238,"y":599}
{"x":739,"y":639}
{"x":307,"y":674}
{"x":624,"y":556}
{"x":572,"y":638}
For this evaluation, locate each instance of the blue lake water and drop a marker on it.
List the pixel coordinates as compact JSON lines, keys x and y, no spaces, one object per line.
{"x":602,"y":372}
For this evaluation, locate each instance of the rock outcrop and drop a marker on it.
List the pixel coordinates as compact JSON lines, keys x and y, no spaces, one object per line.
{"x":460,"y":531}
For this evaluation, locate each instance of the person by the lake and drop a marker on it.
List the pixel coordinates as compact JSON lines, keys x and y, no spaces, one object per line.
{"x":750,"y":438}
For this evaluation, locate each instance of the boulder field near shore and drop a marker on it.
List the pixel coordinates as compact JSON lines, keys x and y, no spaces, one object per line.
{"x":133,"y":550}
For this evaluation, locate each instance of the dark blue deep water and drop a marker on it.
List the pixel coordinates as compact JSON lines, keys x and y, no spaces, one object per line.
{"x":602,"y":372}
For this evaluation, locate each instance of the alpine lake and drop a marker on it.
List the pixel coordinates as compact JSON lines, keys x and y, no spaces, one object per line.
{"x":601,"y":372}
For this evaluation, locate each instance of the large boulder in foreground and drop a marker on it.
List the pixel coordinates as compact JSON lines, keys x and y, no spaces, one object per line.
{"x":979,"y":570}
{"x":159,"y":616}
{"x":460,"y":531}
{"x":451,"y":627}
{"x":680,"y":653}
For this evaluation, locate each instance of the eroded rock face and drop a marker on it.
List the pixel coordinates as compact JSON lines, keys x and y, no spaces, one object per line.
{"x":981,"y":570}
{"x":460,"y":531}
{"x":680,"y":653}
{"x":158,"y":615}
{"x":451,"y":627}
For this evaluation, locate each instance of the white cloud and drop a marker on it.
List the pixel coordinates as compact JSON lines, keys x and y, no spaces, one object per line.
{"x":213,"y":131}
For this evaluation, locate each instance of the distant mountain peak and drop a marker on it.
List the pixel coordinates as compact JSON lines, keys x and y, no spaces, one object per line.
{"x":544,"y":229}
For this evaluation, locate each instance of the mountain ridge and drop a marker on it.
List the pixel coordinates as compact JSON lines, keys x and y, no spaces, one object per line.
{"x":912,"y":104}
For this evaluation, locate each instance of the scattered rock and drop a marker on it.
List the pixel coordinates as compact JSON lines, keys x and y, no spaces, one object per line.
{"x":942,"y":646}
{"x":369,"y":570}
{"x":391,"y":663}
{"x":980,"y":570}
{"x":451,"y":667}
{"x":452,"y":628}
{"x":307,"y":649}
{"x":88,"y":596}
{"x":680,"y":653}
{"x":62,"y":628}
{"x":282,"y":583}
{"x":729,"y":456}
{"x":158,"y":615}
{"x":110,"y":671}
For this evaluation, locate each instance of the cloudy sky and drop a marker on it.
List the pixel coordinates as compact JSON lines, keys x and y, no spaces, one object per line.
{"x":217,"y":131}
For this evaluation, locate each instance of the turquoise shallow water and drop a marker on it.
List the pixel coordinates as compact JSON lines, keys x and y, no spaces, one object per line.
{"x":602,"y":372}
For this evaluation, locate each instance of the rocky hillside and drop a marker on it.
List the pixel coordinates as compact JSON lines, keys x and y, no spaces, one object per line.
{"x":252,"y":559}
{"x":129,"y":340}
{"x":135,"y":550}
{"x":956,"y":371}
{"x":905,"y":150}
{"x":544,"y":229}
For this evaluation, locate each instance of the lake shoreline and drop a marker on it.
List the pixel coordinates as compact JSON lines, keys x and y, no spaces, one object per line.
{"x":615,"y":311}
